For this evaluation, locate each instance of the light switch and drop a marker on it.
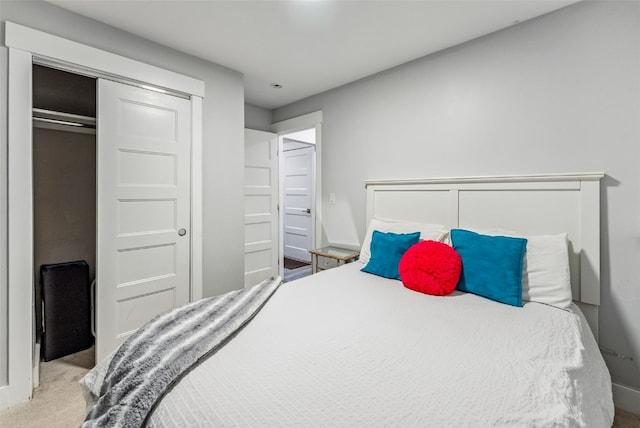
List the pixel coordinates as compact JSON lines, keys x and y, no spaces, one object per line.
{"x":332,"y":198}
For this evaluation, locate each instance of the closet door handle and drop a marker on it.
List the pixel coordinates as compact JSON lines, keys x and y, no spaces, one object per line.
{"x":182,"y":232}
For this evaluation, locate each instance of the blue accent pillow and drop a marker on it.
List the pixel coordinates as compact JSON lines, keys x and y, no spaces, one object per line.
{"x":386,"y":251}
{"x":491,"y":265}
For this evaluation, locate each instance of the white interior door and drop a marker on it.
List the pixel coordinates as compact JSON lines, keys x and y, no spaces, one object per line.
{"x":298,"y":161}
{"x":143,"y":260}
{"x":261,"y":206}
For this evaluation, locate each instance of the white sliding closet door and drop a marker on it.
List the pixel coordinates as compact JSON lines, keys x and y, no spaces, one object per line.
{"x":143,"y":256}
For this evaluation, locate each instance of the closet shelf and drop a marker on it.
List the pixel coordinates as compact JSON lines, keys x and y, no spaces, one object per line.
{"x":49,"y":119}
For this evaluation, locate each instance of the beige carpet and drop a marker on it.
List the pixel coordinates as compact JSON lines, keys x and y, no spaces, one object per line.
{"x":58,"y":402}
{"x":626,"y":420}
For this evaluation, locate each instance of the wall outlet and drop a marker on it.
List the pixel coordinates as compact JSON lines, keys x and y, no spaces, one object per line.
{"x":332,"y":198}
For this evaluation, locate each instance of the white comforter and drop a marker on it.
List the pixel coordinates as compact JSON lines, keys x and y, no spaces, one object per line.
{"x":345,"y":348}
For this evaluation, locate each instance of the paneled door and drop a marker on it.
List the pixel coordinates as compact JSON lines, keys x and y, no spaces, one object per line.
{"x":261,"y":206}
{"x":298,"y":202}
{"x":143,"y":213}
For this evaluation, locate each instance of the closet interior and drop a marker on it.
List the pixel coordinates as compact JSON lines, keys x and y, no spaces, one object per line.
{"x":64,"y":211}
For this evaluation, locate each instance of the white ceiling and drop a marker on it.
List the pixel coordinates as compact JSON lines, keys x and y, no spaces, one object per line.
{"x":309,"y":46}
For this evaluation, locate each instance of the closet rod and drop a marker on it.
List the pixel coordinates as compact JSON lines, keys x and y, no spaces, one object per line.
{"x":59,"y":121}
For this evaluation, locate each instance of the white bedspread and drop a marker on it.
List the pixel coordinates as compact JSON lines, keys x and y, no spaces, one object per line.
{"x":345,"y":348}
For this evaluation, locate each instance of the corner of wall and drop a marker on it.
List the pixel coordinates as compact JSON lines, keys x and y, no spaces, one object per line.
{"x":257,"y":117}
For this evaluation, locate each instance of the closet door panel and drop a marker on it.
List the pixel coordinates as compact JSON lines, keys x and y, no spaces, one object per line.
{"x":160,"y":170}
{"x":144,"y":143}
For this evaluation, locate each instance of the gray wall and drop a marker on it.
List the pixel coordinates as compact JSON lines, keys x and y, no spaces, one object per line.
{"x":223,"y":135}
{"x":3,"y":218}
{"x":560,"y":93}
{"x":64,"y":202}
{"x":257,"y":118}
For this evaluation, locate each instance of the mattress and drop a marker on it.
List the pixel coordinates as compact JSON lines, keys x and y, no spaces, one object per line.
{"x":345,"y":348}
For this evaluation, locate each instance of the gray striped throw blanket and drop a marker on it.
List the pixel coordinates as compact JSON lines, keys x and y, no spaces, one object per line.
{"x":164,"y":350}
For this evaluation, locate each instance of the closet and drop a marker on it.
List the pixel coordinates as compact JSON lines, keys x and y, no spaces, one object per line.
{"x":64,"y":209}
{"x":112,"y":191}
{"x":146,"y":254}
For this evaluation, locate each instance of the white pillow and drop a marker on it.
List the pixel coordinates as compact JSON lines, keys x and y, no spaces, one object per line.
{"x":434,"y":232}
{"x":546,"y":276}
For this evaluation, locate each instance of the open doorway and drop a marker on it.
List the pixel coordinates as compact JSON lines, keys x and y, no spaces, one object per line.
{"x":298,"y":184}
{"x":282,"y":175}
{"x":64,"y":221}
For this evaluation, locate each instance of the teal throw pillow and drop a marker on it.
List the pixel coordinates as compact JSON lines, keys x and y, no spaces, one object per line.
{"x":491,"y":265}
{"x":386,"y":251}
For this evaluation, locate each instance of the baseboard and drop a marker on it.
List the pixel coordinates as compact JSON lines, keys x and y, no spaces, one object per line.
{"x":4,"y":397}
{"x":626,"y":398}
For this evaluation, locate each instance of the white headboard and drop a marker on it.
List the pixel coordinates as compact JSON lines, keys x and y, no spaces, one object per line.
{"x":528,"y":204}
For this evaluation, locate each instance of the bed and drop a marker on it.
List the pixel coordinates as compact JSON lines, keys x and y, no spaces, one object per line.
{"x":347,"y":348}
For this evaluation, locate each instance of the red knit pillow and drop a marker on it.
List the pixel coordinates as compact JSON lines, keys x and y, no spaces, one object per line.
{"x":430,"y":267}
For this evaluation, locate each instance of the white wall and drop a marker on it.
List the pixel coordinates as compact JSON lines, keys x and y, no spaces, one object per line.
{"x":560,"y":93}
{"x":257,"y":118}
{"x":288,"y":144}
{"x":223,"y":135}
{"x":306,"y":135}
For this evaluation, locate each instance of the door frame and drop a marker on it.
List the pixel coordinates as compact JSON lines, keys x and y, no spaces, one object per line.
{"x":307,"y":121}
{"x":24,"y":45}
